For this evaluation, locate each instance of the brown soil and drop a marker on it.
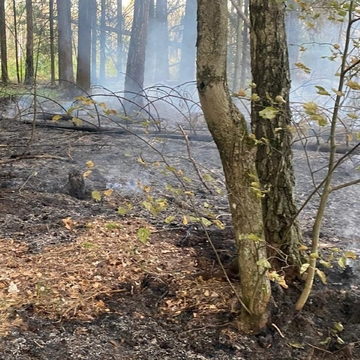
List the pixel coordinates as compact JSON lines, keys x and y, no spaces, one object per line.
{"x":77,"y":283}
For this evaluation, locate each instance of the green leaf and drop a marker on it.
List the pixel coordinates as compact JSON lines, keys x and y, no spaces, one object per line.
{"x":96,"y":195}
{"x":268,"y":113}
{"x":353,"y":85}
{"x":304,"y":267}
{"x":169,"y":219}
{"x":321,"y":90}
{"x":350,"y":255}
{"x":122,"y":211}
{"x":338,"y":327}
{"x":206,"y":222}
{"x":342,"y":262}
{"x":220,"y":225}
{"x":264,"y":263}
{"x":322,"y":276}
{"x":143,"y":235}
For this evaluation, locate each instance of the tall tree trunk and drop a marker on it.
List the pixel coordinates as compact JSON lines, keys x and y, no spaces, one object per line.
{"x":52,"y":45}
{"x":270,"y":71}
{"x":134,"y":80}
{"x":150,"y":61}
{"x":29,"y":62}
{"x":188,"y":46}
{"x":237,"y":152}
{"x":84,"y":46}
{"x":93,"y":16}
{"x":245,"y":48}
{"x":238,"y":51}
{"x":162,"y":48}
{"x":66,"y":71}
{"x":119,"y":45}
{"x":102,"y":40}
{"x":16,"y":45}
{"x":3,"y":47}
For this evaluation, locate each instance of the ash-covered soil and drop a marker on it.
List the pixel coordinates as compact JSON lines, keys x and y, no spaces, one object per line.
{"x":154,"y":315}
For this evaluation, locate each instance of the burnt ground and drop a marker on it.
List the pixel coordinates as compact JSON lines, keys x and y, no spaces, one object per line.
{"x":78,"y":283}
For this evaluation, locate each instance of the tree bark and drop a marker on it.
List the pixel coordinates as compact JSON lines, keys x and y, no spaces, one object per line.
{"x":66,"y":72}
{"x":3,"y":46}
{"x":16,"y":44}
{"x":188,"y":46}
{"x":162,"y":48}
{"x":52,"y":45}
{"x":84,"y":46}
{"x":237,"y":151}
{"x":102,"y":40}
{"x":134,"y":80}
{"x":270,"y":71}
{"x":29,"y":62}
{"x":120,"y":46}
{"x":93,"y":16}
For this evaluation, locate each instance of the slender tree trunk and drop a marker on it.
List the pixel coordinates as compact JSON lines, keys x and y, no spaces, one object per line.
{"x":150,"y":61}
{"x":102,"y":40}
{"x":270,"y":71}
{"x":188,"y":46}
{"x":66,"y":72}
{"x":16,"y":45}
{"x":237,"y":152}
{"x":52,"y":45}
{"x":120,"y":25}
{"x":134,"y":80}
{"x":84,"y":46}
{"x":93,"y":41}
{"x":245,"y":65}
{"x":3,"y":47}
{"x":238,"y":52}
{"x":29,"y":63}
{"x":162,"y":49}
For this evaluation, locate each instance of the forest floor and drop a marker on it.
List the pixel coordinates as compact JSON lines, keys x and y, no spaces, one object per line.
{"x":128,"y":274}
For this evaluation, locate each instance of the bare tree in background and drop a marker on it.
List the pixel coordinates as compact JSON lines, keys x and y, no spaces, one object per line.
{"x":84,"y":46}
{"x":120,"y":45}
{"x":134,"y":80}
{"x":66,"y":72}
{"x":29,"y":62}
{"x":52,"y":44}
{"x":162,"y":48}
{"x":188,"y":46}
{"x":102,"y":40}
{"x":3,"y":47}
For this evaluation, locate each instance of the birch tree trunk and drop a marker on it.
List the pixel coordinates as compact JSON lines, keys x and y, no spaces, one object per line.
{"x":237,"y":151}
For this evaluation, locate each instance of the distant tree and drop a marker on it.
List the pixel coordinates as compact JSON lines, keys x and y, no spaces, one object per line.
{"x":29,"y":62}
{"x":102,"y":40}
{"x":162,"y":45}
{"x":66,"y":72}
{"x":16,"y":45}
{"x":3,"y":47}
{"x":93,"y":15}
{"x":52,"y":41}
{"x":134,"y":79}
{"x":150,"y":61}
{"x":84,"y":46}
{"x":120,"y":45}
{"x":188,"y":45}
